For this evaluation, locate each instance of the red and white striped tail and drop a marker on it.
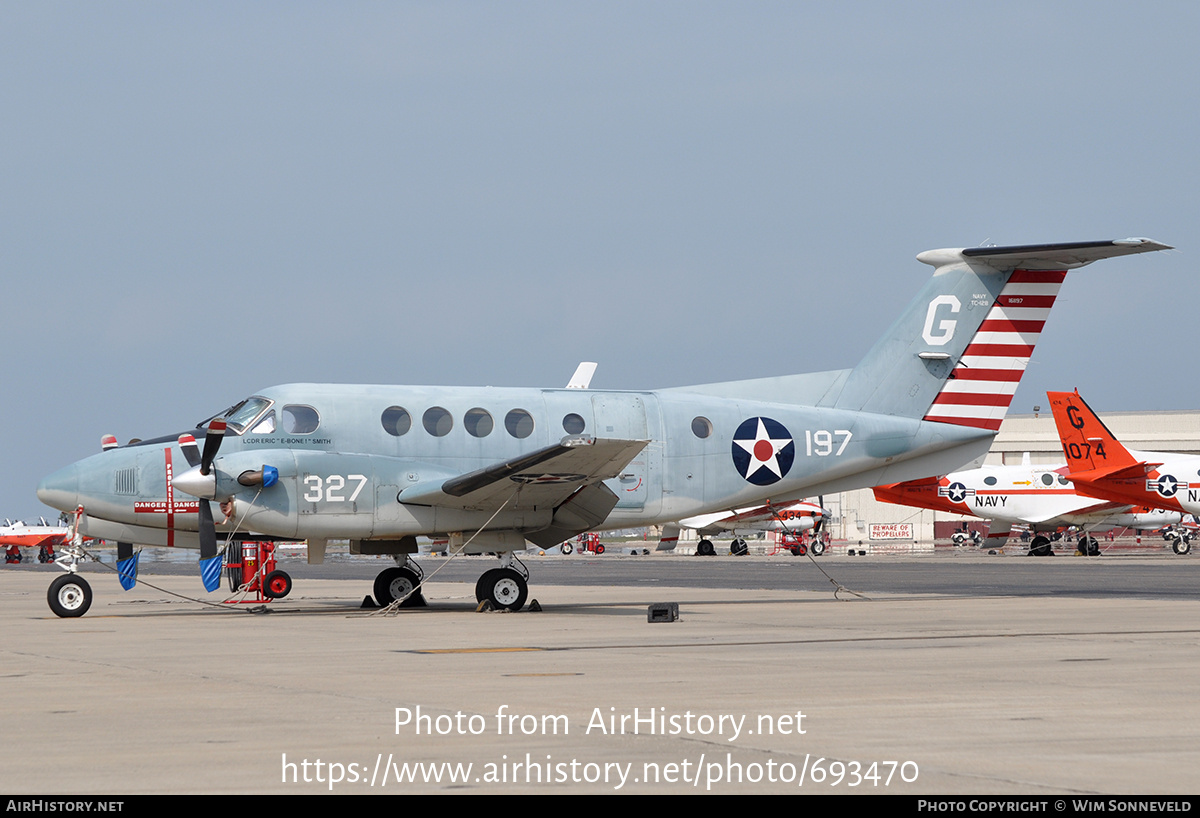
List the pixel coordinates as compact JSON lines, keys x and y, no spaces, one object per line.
{"x":981,"y":387}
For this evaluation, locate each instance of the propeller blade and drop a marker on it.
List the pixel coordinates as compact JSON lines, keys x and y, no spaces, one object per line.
{"x":208,"y":531}
{"x":212,"y":443}
{"x":191,"y":451}
{"x":820,"y":521}
{"x":210,"y":560}
{"x":127,"y":565}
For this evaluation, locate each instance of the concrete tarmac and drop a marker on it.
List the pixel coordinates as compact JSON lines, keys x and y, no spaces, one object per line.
{"x":753,"y":690}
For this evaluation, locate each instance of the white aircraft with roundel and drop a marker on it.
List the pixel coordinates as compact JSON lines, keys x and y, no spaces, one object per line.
{"x":1039,"y":498}
{"x":790,"y":516}
{"x":494,"y":468}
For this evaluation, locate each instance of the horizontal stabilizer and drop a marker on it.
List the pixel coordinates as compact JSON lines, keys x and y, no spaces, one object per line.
{"x":1062,"y":256}
{"x":1134,"y":472}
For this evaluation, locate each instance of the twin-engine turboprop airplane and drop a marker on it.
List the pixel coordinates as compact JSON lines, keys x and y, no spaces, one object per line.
{"x":1040,"y":498}
{"x":793,"y":517}
{"x":492,"y":468}
{"x":1100,"y":466}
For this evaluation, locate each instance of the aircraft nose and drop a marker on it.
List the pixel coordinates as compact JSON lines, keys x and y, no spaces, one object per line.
{"x":61,"y":489}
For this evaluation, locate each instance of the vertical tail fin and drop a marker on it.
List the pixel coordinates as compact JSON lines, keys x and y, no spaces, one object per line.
{"x":958,"y":352}
{"x":1087,"y":443}
{"x":981,"y":387}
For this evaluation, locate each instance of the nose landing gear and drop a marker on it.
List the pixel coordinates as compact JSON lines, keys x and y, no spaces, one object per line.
{"x":69,"y":596}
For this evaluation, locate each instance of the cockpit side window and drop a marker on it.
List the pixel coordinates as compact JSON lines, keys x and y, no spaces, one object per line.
{"x":240,"y":415}
{"x":300,"y":420}
{"x":265,"y":426}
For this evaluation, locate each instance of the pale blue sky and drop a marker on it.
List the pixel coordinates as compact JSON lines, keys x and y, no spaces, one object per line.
{"x":201,"y":200}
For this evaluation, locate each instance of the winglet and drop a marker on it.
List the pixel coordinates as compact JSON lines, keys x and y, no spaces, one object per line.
{"x":583,"y":375}
{"x":1087,"y":443}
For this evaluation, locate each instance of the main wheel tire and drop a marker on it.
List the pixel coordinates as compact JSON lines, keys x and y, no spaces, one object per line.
{"x":69,"y":595}
{"x":705,"y":549}
{"x":277,"y":585}
{"x":1091,"y":547}
{"x":1040,"y":547}
{"x":397,"y":583}
{"x":738,"y":548}
{"x":504,"y":588}
{"x":566,"y":548}
{"x":818,"y":548}
{"x":1181,"y":546}
{"x":481,"y":584}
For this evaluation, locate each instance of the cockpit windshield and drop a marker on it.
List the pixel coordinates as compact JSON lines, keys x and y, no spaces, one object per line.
{"x":240,"y":414}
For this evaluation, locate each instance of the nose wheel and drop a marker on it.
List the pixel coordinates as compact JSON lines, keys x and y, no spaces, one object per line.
{"x":69,"y":596}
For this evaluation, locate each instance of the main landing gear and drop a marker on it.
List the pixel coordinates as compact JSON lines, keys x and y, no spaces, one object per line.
{"x":505,"y":588}
{"x":402,"y":582}
{"x":1040,"y":547}
{"x":1179,"y":538}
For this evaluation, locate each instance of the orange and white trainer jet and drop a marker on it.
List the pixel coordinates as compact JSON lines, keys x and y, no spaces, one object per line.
{"x":42,"y":537}
{"x":1100,"y":466}
{"x":1040,"y":498}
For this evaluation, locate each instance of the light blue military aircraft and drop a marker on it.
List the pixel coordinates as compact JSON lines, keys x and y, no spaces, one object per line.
{"x":492,"y":468}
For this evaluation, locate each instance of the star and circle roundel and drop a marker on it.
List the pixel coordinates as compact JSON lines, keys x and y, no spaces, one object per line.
{"x":763,"y":451}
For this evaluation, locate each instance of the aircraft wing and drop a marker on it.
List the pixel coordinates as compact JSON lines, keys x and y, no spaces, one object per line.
{"x":1077,"y":504}
{"x":703,"y":521}
{"x":542,"y":479}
